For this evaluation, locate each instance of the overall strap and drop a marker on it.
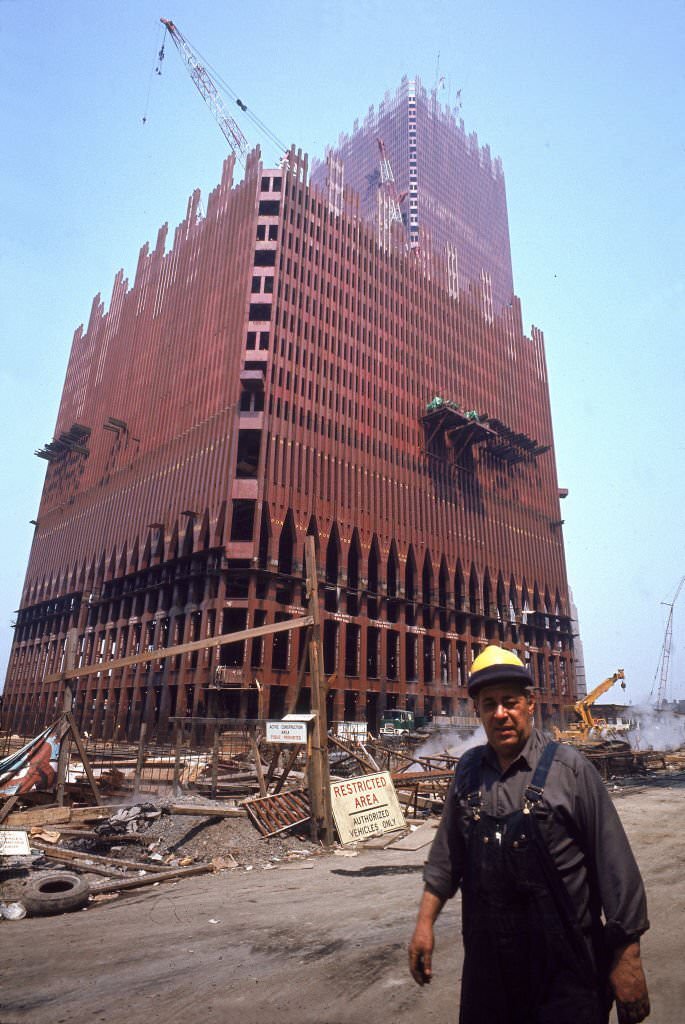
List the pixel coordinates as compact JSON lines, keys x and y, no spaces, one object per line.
{"x":468,"y":778}
{"x":555,"y":882}
{"x":536,"y":786}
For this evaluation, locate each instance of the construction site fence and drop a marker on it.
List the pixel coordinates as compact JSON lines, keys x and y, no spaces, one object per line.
{"x":195,"y":751}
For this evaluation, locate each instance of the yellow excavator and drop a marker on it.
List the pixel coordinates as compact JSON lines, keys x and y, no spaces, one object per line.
{"x":589,"y":728}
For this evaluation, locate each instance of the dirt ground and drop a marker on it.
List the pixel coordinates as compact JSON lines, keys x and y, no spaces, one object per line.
{"x":307,"y":939}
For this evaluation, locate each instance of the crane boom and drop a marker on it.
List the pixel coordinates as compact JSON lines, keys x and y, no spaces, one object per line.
{"x":204,"y":83}
{"x":582,"y":731}
{"x":387,"y":182}
{"x":582,"y":706}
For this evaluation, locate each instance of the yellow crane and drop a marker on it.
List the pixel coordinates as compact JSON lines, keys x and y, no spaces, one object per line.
{"x":582,"y":731}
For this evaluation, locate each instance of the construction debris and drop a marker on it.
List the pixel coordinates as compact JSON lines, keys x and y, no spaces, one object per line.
{"x":279,"y":812}
{"x":241,"y":805}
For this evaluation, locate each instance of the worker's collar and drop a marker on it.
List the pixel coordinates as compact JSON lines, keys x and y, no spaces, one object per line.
{"x":526,"y":758}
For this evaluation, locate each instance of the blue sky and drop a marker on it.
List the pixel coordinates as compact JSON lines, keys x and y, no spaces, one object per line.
{"x":583,"y":102}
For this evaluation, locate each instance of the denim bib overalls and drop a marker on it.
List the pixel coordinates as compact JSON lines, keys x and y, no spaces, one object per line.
{"x":526,"y":959}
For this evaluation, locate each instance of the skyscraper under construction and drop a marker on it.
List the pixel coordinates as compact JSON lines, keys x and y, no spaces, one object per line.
{"x":303,"y":359}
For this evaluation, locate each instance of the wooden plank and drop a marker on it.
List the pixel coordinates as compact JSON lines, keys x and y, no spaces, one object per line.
{"x":141,"y":881}
{"x":286,"y":771}
{"x":8,"y":805}
{"x":81,"y":865}
{"x":210,"y":812}
{"x":215,"y":760}
{"x":84,"y":756}
{"x":176,"y":786}
{"x":258,"y":764}
{"x":141,"y":756}
{"x":416,"y":840}
{"x":160,"y":653}
{"x":115,"y":838}
{"x":39,"y":816}
{"x":61,"y":853}
{"x":351,"y":753}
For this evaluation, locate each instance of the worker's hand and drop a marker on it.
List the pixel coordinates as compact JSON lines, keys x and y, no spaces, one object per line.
{"x":628,"y":982}
{"x":422,"y":941}
{"x":421,"y":952}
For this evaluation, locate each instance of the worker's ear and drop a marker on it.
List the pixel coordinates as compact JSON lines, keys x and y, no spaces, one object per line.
{"x":475,"y":706}
{"x":531,"y":700}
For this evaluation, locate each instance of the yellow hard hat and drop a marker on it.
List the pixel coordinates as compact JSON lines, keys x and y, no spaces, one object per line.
{"x":497,"y":665}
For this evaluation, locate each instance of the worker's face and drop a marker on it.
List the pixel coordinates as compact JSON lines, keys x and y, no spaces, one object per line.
{"x":506,"y":711}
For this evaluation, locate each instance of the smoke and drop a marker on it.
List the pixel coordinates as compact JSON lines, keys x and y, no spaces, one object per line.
{"x":450,"y":742}
{"x":656,"y":730}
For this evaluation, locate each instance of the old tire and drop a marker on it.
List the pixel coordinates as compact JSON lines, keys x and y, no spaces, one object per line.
{"x":54,"y":892}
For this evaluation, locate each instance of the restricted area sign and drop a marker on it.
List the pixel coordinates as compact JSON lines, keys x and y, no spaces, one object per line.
{"x":366,"y":807}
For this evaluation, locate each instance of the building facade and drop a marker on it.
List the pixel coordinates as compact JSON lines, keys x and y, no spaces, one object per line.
{"x":274,"y":373}
{"x":452,"y":190}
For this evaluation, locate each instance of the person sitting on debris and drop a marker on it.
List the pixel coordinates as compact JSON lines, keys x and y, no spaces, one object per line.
{"x":553,"y":902}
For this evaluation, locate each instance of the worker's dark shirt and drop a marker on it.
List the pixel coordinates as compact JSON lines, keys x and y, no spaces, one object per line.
{"x":582,"y":831}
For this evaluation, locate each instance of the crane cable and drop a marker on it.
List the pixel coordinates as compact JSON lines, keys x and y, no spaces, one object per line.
{"x":257,"y":122}
{"x":155,"y":70}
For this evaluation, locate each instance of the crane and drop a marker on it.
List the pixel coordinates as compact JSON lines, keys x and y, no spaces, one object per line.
{"x":580,"y":731}
{"x":387,"y":183}
{"x":665,"y":656}
{"x":205,"y":85}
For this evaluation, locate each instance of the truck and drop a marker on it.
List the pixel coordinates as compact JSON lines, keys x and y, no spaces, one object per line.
{"x":396,"y":722}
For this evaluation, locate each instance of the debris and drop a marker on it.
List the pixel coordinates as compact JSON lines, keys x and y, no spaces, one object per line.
{"x":64,"y":854}
{"x":154,"y":879}
{"x":14,"y":911}
{"x":54,"y":892}
{"x":278,"y":812}
{"x":221,"y":863}
{"x":210,"y":812}
{"x":46,"y":835}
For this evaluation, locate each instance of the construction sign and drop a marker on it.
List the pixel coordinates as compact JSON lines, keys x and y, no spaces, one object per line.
{"x":365,"y":807}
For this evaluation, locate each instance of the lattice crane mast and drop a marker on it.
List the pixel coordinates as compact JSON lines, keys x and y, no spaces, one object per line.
{"x":205,"y":85}
{"x":387,"y":183}
{"x":665,"y":656}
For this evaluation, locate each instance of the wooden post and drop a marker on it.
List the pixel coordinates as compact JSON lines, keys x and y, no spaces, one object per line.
{"x":70,"y":655}
{"x":215,"y":761}
{"x":84,"y":757}
{"x":286,"y":770}
{"x":319,"y":776}
{"x":65,"y":744}
{"x":258,"y":762}
{"x":177,"y":760}
{"x":141,"y":757}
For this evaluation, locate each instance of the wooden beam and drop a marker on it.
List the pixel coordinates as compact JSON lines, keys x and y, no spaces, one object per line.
{"x":8,"y":805}
{"x":163,"y":876}
{"x":84,"y":757}
{"x":160,"y":653}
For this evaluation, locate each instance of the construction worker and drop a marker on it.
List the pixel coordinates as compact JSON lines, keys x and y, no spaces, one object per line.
{"x":553,"y":904}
